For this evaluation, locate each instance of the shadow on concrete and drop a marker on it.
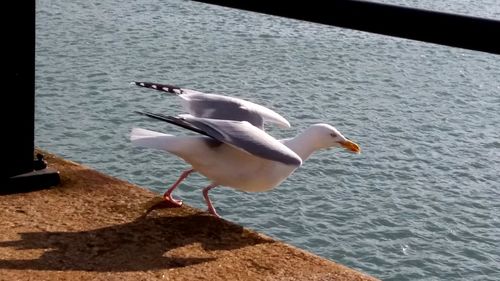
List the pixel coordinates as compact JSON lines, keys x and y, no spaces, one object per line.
{"x":145,"y":244}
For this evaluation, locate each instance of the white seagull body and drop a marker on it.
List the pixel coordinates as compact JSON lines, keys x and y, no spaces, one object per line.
{"x":236,"y":153}
{"x":223,"y":164}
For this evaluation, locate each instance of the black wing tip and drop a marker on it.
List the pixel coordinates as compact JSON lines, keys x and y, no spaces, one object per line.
{"x":157,"y":115}
{"x":159,"y":87}
{"x":150,"y":114}
{"x":178,"y":121}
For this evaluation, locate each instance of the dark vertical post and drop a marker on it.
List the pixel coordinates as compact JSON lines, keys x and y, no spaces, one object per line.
{"x":18,"y":123}
{"x":20,"y":127}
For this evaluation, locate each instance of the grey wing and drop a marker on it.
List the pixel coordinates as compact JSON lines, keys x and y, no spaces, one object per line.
{"x":242,"y":135}
{"x":239,"y":134}
{"x":215,"y":106}
{"x":210,"y":106}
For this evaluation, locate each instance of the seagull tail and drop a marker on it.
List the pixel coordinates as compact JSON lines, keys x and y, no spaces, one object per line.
{"x":150,"y":139}
{"x":160,"y":87}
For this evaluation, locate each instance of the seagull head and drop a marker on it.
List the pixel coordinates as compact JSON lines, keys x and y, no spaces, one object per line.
{"x":326,"y":136}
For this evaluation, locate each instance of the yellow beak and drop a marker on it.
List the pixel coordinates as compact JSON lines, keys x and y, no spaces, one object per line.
{"x":351,"y":146}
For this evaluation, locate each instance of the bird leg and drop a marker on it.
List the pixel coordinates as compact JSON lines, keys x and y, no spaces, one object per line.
{"x":168,"y":194}
{"x":211,"y":208}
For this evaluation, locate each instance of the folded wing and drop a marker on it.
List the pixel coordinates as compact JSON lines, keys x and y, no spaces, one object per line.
{"x":239,"y":134}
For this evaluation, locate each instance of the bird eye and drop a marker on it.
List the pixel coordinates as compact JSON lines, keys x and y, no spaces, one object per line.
{"x":333,"y":135}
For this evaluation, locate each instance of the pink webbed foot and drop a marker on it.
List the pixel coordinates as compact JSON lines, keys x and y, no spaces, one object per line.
{"x":210,"y":206}
{"x":158,"y":203}
{"x":169,"y":201}
{"x":213,"y":212}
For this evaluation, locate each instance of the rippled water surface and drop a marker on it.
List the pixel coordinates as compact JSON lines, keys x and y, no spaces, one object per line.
{"x":422,"y":201}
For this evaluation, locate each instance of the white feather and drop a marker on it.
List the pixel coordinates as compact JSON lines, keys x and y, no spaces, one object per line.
{"x":151,"y":139}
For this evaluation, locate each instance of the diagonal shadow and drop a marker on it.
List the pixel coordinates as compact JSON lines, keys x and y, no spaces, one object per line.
{"x":136,"y":246}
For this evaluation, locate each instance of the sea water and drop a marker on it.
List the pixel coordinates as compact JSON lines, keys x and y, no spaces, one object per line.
{"x":422,"y":200}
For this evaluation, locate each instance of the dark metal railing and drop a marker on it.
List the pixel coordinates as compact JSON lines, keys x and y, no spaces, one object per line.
{"x":428,"y":26}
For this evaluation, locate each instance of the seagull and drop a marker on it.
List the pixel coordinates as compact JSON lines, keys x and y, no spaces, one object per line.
{"x":236,"y":153}
{"x":217,"y":106}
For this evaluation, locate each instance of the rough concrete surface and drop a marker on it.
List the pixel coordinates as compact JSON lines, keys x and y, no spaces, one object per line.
{"x":92,"y":227}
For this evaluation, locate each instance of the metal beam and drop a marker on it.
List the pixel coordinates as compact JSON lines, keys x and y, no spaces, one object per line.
{"x":423,"y":25}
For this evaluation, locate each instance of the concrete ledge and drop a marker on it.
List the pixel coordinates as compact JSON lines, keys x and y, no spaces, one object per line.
{"x":90,"y":228}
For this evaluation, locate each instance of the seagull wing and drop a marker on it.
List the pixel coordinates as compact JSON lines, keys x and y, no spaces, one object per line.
{"x":215,"y":106}
{"x":239,"y":134}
